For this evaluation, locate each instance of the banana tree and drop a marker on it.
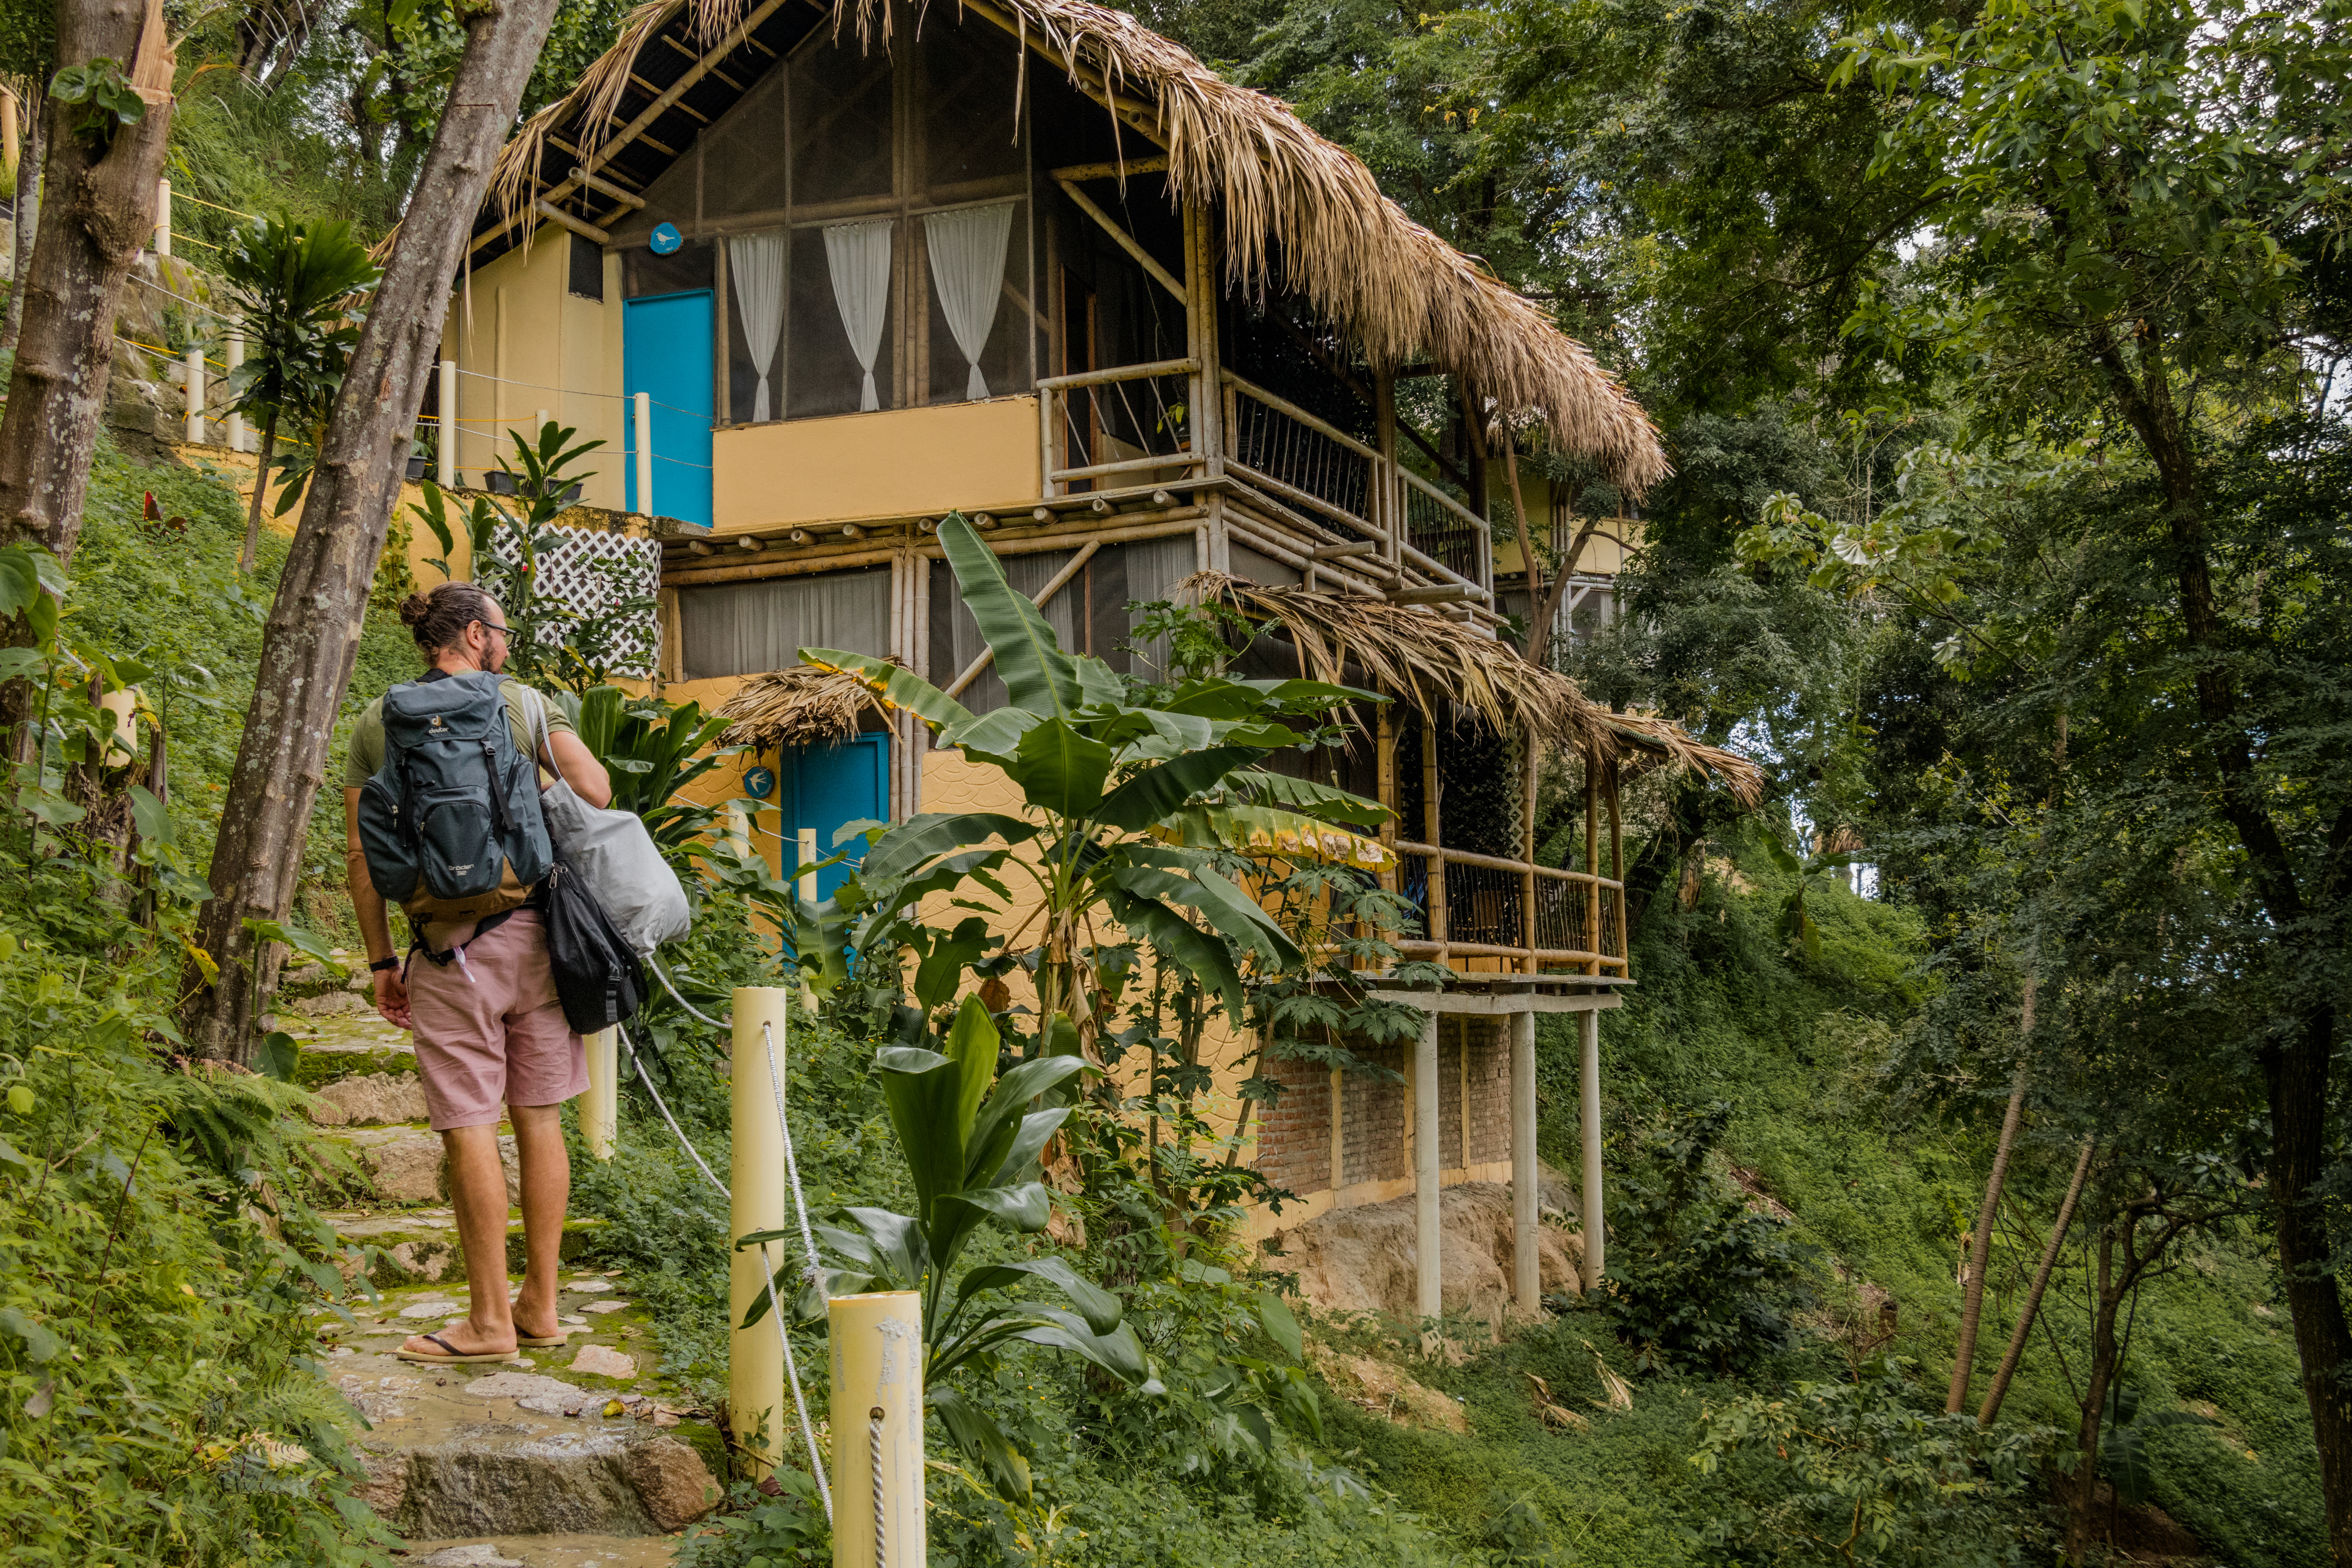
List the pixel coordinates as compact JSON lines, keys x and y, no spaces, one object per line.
{"x":972,"y":1155}
{"x":1131,"y":793}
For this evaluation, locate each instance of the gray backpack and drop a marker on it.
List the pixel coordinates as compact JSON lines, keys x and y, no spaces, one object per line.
{"x":451,"y":823}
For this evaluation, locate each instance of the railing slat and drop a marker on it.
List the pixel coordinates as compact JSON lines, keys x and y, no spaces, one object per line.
{"x":1280,"y":405}
{"x":1118,"y":373}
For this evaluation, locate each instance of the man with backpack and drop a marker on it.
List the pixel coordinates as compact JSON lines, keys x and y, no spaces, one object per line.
{"x":441,"y":809}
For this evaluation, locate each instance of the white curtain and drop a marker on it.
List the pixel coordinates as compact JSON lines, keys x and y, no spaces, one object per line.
{"x":859,"y":255}
{"x":966,"y":247}
{"x":756,"y":262}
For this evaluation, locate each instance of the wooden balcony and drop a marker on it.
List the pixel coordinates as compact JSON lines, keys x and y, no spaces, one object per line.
{"x":1294,"y":488}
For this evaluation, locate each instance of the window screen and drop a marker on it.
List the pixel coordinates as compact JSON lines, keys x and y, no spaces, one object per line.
{"x":750,"y":628}
{"x":967,"y":108}
{"x":1089,"y":613}
{"x":587,"y":278}
{"x":645,"y":274}
{"x":841,"y":122}
{"x":960,"y":274}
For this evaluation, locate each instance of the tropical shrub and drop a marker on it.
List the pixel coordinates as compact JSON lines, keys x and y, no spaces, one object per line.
{"x":1698,"y":1280}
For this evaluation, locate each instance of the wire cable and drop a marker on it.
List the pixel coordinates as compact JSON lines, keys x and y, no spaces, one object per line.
{"x":767,"y":1269}
{"x":714,"y":1023}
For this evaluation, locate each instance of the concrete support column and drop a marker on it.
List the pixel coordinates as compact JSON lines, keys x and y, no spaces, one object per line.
{"x":1526,"y":1282}
{"x":1427,"y":1300}
{"x":877,"y":1429}
{"x":755,"y":1182}
{"x":445,"y":451}
{"x":1588,"y":1030}
{"x":192,"y":379}
{"x":234,"y":359}
{"x":600,"y":1108}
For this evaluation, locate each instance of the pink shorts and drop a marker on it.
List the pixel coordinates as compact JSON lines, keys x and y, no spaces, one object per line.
{"x":490,"y":1032}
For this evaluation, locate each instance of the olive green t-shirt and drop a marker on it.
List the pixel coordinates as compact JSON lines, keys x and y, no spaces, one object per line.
{"x":365,"y":757}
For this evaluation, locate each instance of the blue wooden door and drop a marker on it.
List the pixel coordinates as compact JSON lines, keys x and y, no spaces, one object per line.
{"x":823,"y":787}
{"x":665,"y":353}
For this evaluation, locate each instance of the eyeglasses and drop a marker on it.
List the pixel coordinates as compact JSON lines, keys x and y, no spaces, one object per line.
{"x":500,"y":627}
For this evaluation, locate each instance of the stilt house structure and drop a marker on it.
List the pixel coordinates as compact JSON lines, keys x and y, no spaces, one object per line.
{"x":820,"y":276}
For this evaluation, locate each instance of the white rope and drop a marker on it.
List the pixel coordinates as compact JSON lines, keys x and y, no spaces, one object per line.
{"x":791,"y":1167}
{"x":681,"y":1001}
{"x":874,"y":1464}
{"x":767,"y":1265}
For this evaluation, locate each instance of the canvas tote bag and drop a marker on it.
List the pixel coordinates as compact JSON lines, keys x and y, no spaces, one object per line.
{"x":613,"y":856}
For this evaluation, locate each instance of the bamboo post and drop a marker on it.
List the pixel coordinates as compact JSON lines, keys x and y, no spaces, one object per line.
{"x":877,"y":1429}
{"x":234,"y":356}
{"x":804,"y":842}
{"x":1588,"y":1033}
{"x":1427,"y":1299}
{"x":446,"y":457}
{"x":1461,"y":1085}
{"x":1430,"y":829}
{"x":642,"y":410}
{"x":1339,"y":1134}
{"x":1528,"y":854}
{"x":1387,"y":486}
{"x":163,"y":218}
{"x":192,"y":378}
{"x":1527,"y":1284}
{"x":1616,"y":863}
{"x":600,"y":1108}
{"x":755,"y":1181}
{"x":1046,"y":401}
{"x":1385,"y":764}
{"x":1592,"y":858}
{"x":11,"y":149}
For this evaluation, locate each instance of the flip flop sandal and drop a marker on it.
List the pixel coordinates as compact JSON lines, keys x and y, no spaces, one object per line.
{"x":455,"y":1355}
{"x":542,"y":1342}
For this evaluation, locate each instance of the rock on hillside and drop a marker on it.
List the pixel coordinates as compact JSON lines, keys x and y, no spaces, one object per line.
{"x":1362,"y":1259}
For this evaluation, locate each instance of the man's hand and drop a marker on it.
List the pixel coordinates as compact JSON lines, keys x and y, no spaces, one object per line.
{"x":392,"y":997}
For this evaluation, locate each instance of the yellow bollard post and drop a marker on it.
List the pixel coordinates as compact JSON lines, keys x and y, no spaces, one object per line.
{"x":806,"y":888}
{"x":600,"y":1108}
{"x":756,"y":1406}
{"x":877,"y":1429}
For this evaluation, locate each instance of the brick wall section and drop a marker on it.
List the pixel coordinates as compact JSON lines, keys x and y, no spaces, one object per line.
{"x":1490,"y":1090}
{"x":1372,"y":1117}
{"x":1295,"y":1135}
{"x":1294,"y":1141}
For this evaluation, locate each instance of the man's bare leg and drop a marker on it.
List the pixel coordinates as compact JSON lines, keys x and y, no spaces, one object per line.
{"x":477,"y":1191}
{"x":546,"y":1192}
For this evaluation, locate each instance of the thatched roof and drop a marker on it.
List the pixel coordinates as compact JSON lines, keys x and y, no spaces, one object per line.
{"x":803,"y":706}
{"x":1440,"y":666}
{"x":1300,"y":213}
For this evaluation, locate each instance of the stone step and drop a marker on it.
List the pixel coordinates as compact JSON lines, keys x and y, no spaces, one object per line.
{"x":578,"y":1454}
{"x":544,"y":1552}
{"x":420,"y":1246}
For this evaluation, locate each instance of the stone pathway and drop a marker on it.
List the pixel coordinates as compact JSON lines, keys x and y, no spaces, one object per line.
{"x":583,"y":1455}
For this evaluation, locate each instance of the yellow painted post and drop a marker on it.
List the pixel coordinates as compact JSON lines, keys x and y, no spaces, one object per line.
{"x":805,"y":843}
{"x":642,"y":423}
{"x":600,"y":1108}
{"x":445,"y":450}
{"x":162,"y":239}
{"x":755,"y":1177}
{"x":234,"y":439}
{"x":877,"y":1429}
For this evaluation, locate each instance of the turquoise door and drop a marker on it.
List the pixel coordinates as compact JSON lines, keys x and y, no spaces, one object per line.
{"x":823,"y":787}
{"x":665,"y":353}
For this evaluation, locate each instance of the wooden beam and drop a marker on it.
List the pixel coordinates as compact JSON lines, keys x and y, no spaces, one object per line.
{"x":638,"y":82}
{"x":1111,"y":171}
{"x":1437,"y":593}
{"x":635,"y":131}
{"x":562,"y":219}
{"x":604,"y":186}
{"x":1126,"y":241}
{"x":974,"y":670}
{"x":671,"y":40}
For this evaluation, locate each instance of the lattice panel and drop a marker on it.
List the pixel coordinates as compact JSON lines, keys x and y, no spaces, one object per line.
{"x":590,"y":571}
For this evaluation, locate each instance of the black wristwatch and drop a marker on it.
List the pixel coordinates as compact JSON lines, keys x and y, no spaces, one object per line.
{"x":381,"y":964}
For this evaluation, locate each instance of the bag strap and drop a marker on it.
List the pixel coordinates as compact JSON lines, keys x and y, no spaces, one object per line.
{"x":542,"y":735}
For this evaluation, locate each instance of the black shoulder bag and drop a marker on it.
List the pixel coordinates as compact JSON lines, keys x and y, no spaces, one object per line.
{"x":597,"y":977}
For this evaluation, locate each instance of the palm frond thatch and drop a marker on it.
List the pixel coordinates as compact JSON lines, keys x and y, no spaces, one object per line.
{"x":803,"y":706}
{"x":1299,"y":213}
{"x":1439,"y":665}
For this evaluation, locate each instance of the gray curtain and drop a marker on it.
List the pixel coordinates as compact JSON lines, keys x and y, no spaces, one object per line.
{"x":750,"y":628}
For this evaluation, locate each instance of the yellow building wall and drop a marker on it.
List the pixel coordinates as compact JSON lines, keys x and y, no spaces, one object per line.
{"x":525,"y":343}
{"x":898,"y":463}
{"x":1603,"y":552}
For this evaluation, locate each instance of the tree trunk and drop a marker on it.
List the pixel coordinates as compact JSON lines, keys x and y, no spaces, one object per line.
{"x":2083,"y":1489}
{"x":28,"y":214}
{"x":1999,"y":1388}
{"x":99,"y":210}
{"x":2296,"y":1058}
{"x":261,"y":490}
{"x":312,"y":636}
{"x":1980,"y":1246}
